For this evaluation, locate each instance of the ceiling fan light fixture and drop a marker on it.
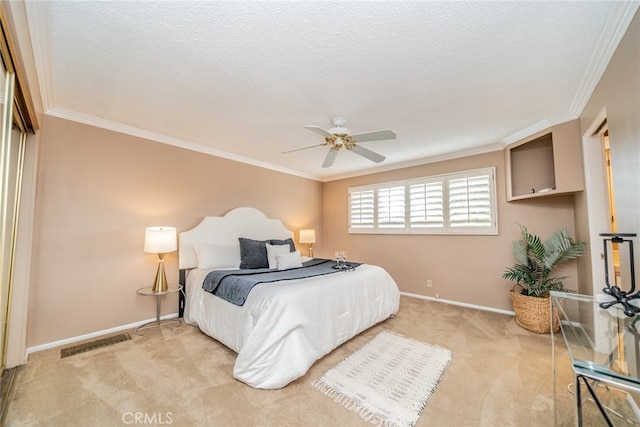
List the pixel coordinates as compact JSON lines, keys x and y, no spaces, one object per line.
{"x":330,"y":140}
{"x":338,"y":121}
{"x":340,"y":131}
{"x":339,"y":136}
{"x":348,"y":142}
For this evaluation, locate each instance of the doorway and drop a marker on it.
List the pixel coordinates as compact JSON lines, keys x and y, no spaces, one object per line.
{"x":611,"y":206}
{"x":599,"y":196}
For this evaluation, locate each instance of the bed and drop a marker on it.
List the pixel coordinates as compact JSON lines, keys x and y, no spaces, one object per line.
{"x":283,"y":327}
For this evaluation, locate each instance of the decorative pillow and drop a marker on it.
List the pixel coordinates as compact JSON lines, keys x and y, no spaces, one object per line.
{"x":290,"y":260}
{"x":216,"y":256}
{"x":273,"y":251}
{"x":253,"y":253}
{"x":288,"y":241}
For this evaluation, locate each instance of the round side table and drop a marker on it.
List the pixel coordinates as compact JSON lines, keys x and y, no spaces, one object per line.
{"x":148,"y":291}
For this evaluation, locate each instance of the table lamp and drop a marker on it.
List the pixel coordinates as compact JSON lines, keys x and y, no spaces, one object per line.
{"x":309,"y":237}
{"x":160,"y":240}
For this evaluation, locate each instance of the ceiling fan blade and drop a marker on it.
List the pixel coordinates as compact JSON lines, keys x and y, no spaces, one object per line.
{"x":365,"y":152}
{"x":331,"y":157}
{"x":377,"y":135}
{"x":300,"y":149}
{"x":319,"y":131}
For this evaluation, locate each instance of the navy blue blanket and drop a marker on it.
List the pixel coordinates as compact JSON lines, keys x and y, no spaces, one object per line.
{"x":235,"y":285}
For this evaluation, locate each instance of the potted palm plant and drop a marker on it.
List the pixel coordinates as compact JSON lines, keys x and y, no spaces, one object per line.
{"x":533,"y":273}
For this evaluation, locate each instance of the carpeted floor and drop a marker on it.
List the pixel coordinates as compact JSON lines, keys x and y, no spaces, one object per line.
{"x":500,"y":375}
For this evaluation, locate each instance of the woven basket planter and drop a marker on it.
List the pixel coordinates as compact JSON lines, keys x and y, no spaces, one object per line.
{"x":534,"y":313}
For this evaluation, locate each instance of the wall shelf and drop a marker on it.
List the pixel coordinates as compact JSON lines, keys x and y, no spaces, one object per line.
{"x":547,"y":163}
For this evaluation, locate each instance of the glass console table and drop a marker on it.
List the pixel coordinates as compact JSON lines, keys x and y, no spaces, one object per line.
{"x":148,"y":291}
{"x":603,"y":349}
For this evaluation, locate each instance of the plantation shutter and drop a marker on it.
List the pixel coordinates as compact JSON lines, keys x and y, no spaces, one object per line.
{"x":470,"y":201}
{"x":391,"y":212}
{"x":426,"y":204}
{"x":455,"y":203}
{"x":362,"y":209}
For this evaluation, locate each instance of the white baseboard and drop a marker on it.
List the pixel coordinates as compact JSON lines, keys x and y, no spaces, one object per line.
{"x":134,"y":325}
{"x":72,"y":340}
{"x":461,"y":304}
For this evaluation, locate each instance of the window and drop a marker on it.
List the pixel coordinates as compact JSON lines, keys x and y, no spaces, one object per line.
{"x":361,"y":209}
{"x":458,"y":203}
{"x":391,"y":207}
{"x":426,"y":209}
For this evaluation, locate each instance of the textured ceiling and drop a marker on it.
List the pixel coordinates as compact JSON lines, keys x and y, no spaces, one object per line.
{"x":241,"y":79}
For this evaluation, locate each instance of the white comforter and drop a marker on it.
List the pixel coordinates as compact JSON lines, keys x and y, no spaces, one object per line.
{"x":284,"y":327}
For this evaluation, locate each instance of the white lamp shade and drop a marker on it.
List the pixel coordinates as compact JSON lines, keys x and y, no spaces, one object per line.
{"x":307,"y":236}
{"x":160,"y":240}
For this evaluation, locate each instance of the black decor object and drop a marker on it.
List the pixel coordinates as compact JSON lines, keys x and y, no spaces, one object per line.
{"x":621,"y":297}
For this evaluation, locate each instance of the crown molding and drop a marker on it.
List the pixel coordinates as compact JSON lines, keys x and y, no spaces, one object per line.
{"x":176,"y":142}
{"x":39,"y":20}
{"x":489,"y":148}
{"x":529,"y":130}
{"x":616,"y":26}
{"x":538,"y":127}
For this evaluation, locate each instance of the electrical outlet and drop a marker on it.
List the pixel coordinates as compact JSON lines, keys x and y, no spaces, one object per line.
{"x":429,"y":284}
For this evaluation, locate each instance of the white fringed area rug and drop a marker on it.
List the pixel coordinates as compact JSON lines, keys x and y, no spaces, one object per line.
{"x":388,"y":381}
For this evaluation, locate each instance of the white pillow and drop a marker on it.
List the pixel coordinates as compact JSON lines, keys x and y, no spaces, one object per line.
{"x":290,"y":260}
{"x":273,"y":251}
{"x":217,"y":255}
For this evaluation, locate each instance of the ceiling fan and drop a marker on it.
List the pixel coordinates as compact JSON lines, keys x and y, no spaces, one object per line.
{"x":339,"y":136}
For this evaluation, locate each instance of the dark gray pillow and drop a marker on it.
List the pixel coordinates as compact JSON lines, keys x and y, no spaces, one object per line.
{"x":253,"y":253}
{"x":289,"y":241}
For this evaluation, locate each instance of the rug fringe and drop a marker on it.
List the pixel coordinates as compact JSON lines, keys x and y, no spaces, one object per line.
{"x":349,"y":404}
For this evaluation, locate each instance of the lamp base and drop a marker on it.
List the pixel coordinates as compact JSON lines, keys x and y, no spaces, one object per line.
{"x":160,"y":282}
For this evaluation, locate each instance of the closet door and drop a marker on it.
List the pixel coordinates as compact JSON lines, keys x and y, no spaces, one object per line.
{"x":11,"y":166}
{"x":17,"y":117}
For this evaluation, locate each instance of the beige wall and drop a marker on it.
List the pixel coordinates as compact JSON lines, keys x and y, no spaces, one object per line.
{"x":618,"y":92}
{"x":98,"y":190}
{"x":465,"y":269}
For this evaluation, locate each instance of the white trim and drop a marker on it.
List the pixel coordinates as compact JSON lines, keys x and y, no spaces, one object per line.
{"x":72,"y":340}
{"x":134,"y":325}
{"x":596,"y":196}
{"x":616,"y":26}
{"x":38,"y":20}
{"x":596,"y":124}
{"x":164,"y":139}
{"x":18,"y":323}
{"x":526,"y":132}
{"x":461,"y":304}
{"x":476,"y":151}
